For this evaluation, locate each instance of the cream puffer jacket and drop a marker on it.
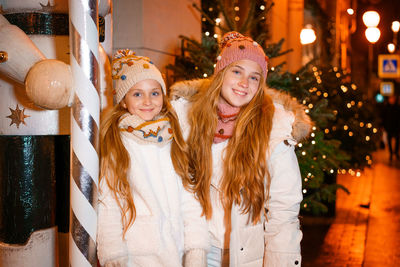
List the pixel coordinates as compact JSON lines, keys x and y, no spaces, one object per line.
{"x":168,"y":218}
{"x":275,"y":241}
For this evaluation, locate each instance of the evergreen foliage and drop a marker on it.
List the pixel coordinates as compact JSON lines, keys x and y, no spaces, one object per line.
{"x":343,"y":119}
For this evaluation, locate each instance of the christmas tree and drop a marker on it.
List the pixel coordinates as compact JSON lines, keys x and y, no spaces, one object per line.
{"x":332,"y":100}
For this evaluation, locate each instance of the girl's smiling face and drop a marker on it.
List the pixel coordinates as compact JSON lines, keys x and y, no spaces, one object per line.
{"x":144,"y":99}
{"x":240,"y":83}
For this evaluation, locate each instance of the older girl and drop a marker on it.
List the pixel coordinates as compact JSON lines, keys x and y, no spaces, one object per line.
{"x":243,"y":167}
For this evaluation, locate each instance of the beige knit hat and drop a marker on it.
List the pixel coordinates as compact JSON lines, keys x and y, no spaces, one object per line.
{"x":129,"y":69}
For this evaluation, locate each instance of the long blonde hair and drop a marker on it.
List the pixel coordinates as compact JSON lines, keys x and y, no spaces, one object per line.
{"x":115,"y":159}
{"x":245,"y":164}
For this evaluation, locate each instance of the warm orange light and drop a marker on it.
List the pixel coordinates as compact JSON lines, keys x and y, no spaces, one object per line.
{"x":371,"y":18}
{"x":373,"y":34}
{"x":395,"y":26}
{"x":307,"y":35}
{"x":350,"y":11}
{"x":391,"y":47}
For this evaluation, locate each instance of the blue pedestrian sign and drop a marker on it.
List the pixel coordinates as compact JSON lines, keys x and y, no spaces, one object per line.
{"x":387,"y":88}
{"x":388,"y":66}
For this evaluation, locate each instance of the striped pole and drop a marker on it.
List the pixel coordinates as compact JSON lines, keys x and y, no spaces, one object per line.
{"x":85,"y":116}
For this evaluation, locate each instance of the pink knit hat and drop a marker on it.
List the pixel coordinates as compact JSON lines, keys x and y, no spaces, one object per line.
{"x":235,"y":46}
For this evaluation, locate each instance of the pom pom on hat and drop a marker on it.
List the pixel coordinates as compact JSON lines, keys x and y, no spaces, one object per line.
{"x":235,"y":46}
{"x":129,"y":69}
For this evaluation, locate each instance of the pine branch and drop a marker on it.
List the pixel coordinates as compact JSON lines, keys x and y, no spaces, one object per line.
{"x":228,"y":20}
{"x":249,"y":17}
{"x":209,"y":19}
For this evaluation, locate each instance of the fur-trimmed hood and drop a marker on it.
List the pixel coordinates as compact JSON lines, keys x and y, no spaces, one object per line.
{"x":302,"y":123}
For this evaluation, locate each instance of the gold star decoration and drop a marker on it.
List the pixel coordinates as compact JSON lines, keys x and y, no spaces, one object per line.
{"x":48,"y":7}
{"x":17,"y":116}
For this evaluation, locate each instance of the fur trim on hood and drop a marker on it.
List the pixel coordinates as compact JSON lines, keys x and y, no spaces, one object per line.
{"x":301,"y":126}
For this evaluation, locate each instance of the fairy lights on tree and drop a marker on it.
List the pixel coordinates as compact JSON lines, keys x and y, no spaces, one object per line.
{"x":345,"y":132}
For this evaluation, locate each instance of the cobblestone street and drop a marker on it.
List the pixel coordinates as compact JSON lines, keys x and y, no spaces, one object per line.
{"x":366,"y":229}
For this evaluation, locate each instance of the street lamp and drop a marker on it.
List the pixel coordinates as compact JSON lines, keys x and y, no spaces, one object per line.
{"x":307,"y":35}
{"x":391,"y":47}
{"x":372,"y":33}
{"x":395,"y":29}
{"x":371,"y":18}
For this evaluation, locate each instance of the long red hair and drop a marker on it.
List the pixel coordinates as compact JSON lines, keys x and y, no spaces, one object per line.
{"x":245,"y":181}
{"x":115,"y":160}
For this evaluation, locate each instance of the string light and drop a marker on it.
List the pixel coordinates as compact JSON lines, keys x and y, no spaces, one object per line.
{"x":304,"y":191}
{"x":300,"y":145}
{"x":374,"y":130}
{"x":314,"y":128}
{"x":369,"y":125}
{"x":313,"y":142}
{"x":272,"y":68}
{"x":237,"y":18}
{"x":344,"y":88}
{"x":312,"y":134}
{"x":305,"y":205}
{"x":325,"y":94}
{"x":205,"y":75}
{"x":361,"y":124}
{"x":367,"y":138}
{"x":215,"y":36}
{"x":262,"y":7}
{"x":207,"y":33}
{"x":236,"y":8}
{"x":303,"y":153}
{"x":350,"y":133}
{"x":345,"y":127}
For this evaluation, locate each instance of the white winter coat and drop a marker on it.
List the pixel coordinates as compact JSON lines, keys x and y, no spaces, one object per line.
{"x":168,"y":221}
{"x":275,"y":241}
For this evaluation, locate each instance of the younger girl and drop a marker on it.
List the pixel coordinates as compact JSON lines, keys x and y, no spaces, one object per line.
{"x":145,"y":215}
{"x":243,"y":167}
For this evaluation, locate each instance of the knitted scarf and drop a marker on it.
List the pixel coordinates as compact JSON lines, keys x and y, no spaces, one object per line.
{"x":157,"y":131}
{"x":227,"y":115}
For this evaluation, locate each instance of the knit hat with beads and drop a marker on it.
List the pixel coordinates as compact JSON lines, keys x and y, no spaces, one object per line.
{"x":235,"y":46}
{"x":129,"y":69}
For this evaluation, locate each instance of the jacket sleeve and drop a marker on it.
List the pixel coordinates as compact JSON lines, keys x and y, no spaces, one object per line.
{"x":195,"y":226}
{"x":282,"y":227}
{"x":111,"y":247}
